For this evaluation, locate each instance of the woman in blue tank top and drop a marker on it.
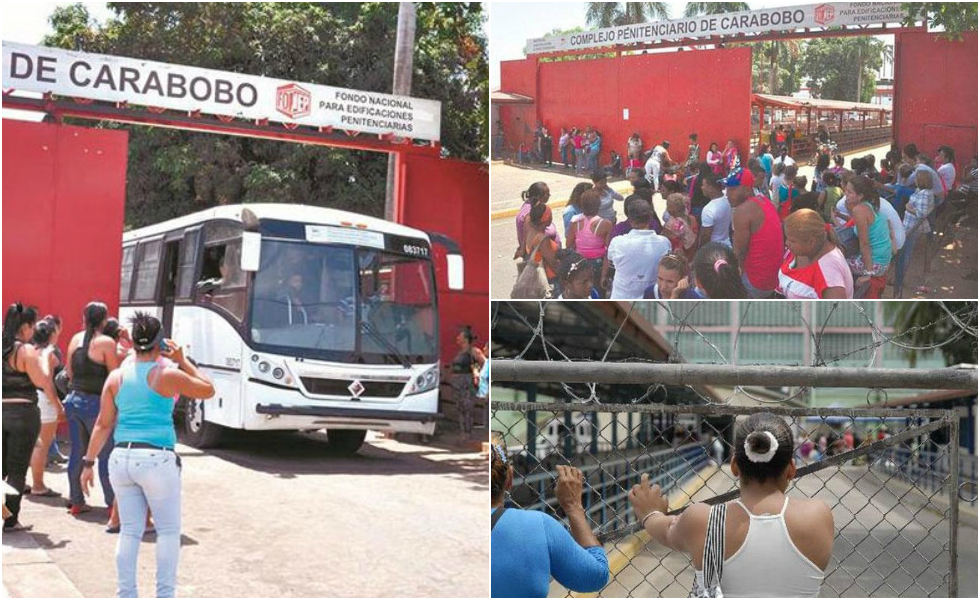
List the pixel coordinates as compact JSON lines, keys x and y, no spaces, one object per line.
{"x":138,"y":401}
{"x":529,"y":547}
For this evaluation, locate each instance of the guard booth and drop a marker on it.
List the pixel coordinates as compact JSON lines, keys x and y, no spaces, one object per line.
{"x":65,"y":186}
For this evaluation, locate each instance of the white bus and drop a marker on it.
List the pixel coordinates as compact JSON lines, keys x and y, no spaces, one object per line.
{"x":306,"y":318}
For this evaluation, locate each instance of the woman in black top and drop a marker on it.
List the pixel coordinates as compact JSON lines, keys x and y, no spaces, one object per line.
{"x":464,"y":375}
{"x":23,"y":374}
{"x":91,"y":356}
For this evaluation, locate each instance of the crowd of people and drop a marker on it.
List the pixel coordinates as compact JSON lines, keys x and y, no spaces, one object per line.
{"x":732,"y":229}
{"x":116,"y":390}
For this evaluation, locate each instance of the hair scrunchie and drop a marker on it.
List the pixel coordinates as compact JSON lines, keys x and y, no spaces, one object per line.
{"x":762,"y":458}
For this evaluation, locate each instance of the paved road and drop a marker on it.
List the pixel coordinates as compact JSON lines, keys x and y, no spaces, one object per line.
{"x":889,"y":543}
{"x":272,"y":515}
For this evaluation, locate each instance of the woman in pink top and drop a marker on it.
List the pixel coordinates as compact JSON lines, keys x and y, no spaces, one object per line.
{"x":589,"y":233}
{"x":714,"y":158}
{"x":815,"y":267}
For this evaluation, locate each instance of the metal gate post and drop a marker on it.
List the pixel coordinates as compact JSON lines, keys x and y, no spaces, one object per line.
{"x":954,"y":499}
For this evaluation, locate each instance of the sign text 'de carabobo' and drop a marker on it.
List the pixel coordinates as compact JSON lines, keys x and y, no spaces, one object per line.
{"x":146,"y":83}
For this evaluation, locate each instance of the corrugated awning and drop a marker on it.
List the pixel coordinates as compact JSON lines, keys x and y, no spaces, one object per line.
{"x":792,"y":103}
{"x":509,"y":98}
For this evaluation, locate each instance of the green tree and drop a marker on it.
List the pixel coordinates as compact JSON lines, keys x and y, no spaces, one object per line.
{"x":693,"y":9}
{"x":843,"y":68}
{"x":924,"y":324}
{"x":609,"y":14}
{"x":173,"y":172}
{"x":952,"y":17}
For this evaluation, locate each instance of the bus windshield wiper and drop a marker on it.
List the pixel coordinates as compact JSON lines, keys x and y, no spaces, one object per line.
{"x":380,"y":338}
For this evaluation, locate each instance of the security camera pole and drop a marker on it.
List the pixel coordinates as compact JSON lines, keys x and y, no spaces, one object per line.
{"x":404,"y":56}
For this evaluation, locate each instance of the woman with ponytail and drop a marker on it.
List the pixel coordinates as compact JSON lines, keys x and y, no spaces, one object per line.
{"x":815,"y":268}
{"x":538,"y":193}
{"x":716,"y":269}
{"x":91,"y":357}
{"x":23,"y":374}
{"x":769,"y":545}
{"x":529,"y":547}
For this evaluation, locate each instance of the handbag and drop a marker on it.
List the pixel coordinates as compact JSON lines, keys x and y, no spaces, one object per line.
{"x":532,"y":282}
{"x":709,"y":584}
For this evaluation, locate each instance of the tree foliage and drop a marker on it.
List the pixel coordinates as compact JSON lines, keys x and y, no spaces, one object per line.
{"x":925,"y":324}
{"x":610,"y":14}
{"x":174,"y":172}
{"x":952,"y":17}
{"x":835,"y":66}
{"x":693,"y":9}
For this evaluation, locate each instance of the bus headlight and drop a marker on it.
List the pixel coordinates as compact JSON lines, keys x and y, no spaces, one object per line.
{"x":272,"y":371}
{"x":425,"y":381}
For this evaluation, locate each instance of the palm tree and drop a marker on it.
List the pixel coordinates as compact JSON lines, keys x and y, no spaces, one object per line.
{"x":785,"y":49}
{"x":864,"y":49}
{"x":608,"y":14}
{"x":693,"y":9}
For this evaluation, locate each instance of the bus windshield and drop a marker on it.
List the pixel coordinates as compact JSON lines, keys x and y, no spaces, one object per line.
{"x":344,"y":303}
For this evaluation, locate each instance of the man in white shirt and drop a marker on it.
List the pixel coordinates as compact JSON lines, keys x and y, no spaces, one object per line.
{"x":784,"y":159}
{"x":636,"y":255}
{"x":716,"y":217}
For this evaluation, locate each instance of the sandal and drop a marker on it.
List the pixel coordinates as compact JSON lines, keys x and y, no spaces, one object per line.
{"x":112,"y":529}
{"x":16,"y":527}
{"x":77,"y":509}
{"x":47,"y":493}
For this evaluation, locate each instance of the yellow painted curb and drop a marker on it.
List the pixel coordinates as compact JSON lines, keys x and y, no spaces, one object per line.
{"x":627,"y":551}
{"x":621,"y":187}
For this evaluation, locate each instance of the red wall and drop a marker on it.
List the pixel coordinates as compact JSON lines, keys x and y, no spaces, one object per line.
{"x":669,"y":96}
{"x":936,"y":93}
{"x":64,"y":192}
{"x":452,"y":197}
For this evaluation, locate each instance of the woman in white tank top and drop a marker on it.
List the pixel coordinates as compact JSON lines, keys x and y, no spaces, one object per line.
{"x":774,"y":546}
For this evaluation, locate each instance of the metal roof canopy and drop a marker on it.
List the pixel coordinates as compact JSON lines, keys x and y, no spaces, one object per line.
{"x":583,"y":331}
{"x":499,"y":97}
{"x":791,"y":103}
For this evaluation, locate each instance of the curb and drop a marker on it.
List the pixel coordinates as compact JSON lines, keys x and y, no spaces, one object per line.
{"x":620,"y":187}
{"x":28,"y":571}
{"x":628,"y":550}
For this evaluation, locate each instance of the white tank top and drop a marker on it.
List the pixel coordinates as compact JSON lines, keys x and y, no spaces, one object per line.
{"x":768,"y":564}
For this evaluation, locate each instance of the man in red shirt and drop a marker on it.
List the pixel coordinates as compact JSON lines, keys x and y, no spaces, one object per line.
{"x":757,"y":234}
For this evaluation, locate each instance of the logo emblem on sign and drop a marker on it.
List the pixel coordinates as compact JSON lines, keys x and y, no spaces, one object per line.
{"x":824,"y":14}
{"x":356,"y":388}
{"x":293,"y":101}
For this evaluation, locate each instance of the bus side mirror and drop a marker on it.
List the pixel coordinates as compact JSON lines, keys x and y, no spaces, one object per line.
{"x":251,"y":251}
{"x":454,"y":271}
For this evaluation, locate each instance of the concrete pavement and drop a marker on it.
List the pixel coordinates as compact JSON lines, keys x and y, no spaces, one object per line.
{"x":275,"y":515}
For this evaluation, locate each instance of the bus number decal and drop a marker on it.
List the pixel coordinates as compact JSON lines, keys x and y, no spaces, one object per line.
{"x":414,"y":250}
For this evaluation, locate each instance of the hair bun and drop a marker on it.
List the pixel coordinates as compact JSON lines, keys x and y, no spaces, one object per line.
{"x":761,"y":446}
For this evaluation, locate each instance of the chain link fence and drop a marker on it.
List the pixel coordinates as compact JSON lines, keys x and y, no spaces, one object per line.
{"x":885,"y":475}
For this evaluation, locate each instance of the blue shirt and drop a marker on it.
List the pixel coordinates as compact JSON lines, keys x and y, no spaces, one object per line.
{"x":143,"y":415}
{"x":528,"y":547}
{"x":483,"y":390}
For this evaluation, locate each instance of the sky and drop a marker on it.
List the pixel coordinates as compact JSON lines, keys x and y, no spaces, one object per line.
{"x":513,"y":23}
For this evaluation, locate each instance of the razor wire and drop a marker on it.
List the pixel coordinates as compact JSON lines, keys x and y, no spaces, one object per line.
{"x":889,"y":477}
{"x":681,"y":317}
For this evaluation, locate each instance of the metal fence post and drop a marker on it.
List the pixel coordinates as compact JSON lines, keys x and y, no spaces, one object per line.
{"x":954,"y":499}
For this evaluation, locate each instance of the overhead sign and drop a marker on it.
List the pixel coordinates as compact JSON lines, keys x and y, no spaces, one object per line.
{"x":177,"y":87}
{"x":832,"y":14}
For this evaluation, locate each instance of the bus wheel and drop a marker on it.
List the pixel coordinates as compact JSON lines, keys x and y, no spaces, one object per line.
{"x":197,"y":431}
{"x":345,"y":441}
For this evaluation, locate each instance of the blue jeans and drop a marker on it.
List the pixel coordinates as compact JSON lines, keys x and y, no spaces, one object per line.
{"x":82,"y":410}
{"x":904,"y":259}
{"x":147,"y":479}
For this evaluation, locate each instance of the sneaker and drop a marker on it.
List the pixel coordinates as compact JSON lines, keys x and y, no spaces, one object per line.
{"x":77,"y":509}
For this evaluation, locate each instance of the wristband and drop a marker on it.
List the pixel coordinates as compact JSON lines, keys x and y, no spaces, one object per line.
{"x":643,"y":521}
{"x":87,"y":463}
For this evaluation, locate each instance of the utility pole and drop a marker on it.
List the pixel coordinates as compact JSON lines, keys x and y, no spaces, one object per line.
{"x":404,"y":57}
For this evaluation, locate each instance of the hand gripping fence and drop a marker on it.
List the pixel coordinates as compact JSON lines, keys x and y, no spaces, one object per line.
{"x":892,"y":489}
